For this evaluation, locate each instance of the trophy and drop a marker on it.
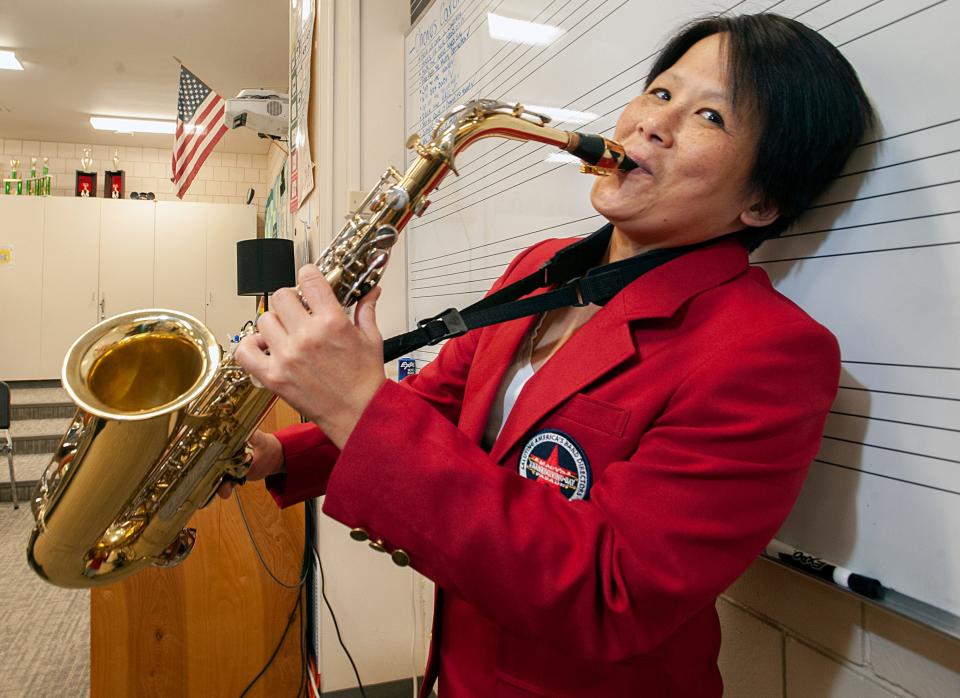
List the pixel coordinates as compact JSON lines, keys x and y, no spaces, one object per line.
{"x":46,"y":181}
{"x":32,"y":184}
{"x":86,"y":184}
{"x":13,"y":184}
{"x":113,"y":179}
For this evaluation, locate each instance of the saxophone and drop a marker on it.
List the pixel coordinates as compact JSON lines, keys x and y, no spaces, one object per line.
{"x":164,"y":412}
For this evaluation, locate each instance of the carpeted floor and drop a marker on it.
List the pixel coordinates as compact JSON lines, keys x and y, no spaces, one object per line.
{"x":44,"y":630}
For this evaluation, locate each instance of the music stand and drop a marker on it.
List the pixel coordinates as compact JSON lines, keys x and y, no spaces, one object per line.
{"x":263,"y":266}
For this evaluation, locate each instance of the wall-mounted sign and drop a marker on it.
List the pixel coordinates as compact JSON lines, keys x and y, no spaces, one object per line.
{"x":303,"y":15}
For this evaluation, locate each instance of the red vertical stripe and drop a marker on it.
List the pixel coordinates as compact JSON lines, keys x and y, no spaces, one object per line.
{"x":199,"y":120}
{"x":193,"y":173}
{"x":218,"y":116}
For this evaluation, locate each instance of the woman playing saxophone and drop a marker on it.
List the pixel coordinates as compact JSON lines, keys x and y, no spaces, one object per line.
{"x":581,"y":486}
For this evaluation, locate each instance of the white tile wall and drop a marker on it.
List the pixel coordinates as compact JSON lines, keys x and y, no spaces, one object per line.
{"x":224,"y":177}
{"x":836,"y":624}
{"x":812,"y":674}
{"x":833,"y":644}
{"x":912,"y":657}
{"x":751,"y":656}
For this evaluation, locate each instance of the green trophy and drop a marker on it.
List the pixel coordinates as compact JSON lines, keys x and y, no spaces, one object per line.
{"x":46,"y":177}
{"x":14,"y":174}
{"x":33,"y":186}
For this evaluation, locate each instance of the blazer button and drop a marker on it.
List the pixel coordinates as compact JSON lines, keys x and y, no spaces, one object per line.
{"x":400,"y":557}
{"x":377,"y":545}
{"x":358,"y":534}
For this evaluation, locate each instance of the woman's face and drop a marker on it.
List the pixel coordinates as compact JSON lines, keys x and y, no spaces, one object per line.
{"x":694,"y":154}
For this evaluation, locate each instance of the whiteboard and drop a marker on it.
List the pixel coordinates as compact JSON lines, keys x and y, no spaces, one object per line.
{"x":874,"y":260}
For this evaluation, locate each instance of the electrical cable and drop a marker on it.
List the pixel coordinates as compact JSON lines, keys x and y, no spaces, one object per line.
{"x":304,"y":567}
{"x":336,"y":626}
{"x":303,"y":652}
{"x":256,"y":549}
{"x":308,"y":543}
{"x":276,"y":649}
{"x":313,"y":684}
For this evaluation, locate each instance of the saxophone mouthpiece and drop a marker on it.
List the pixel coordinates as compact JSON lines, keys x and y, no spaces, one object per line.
{"x":601,"y":156}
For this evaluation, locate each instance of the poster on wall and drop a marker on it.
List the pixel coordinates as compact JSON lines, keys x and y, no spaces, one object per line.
{"x":275,"y":212}
{"x":270,"y":216}
{"x":302,"y":17}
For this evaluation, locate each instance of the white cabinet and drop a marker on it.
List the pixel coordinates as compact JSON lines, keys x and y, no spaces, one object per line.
{"x":72,"y":261}
{"x":180,"y":257}
{"x":21,"y":277}
{"x":126,"y":256}
{"x":226,"y":311}
{"x":71,"y":264}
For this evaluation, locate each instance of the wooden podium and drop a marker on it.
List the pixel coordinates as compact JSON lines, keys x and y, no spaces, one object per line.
{"x":207,"y":627}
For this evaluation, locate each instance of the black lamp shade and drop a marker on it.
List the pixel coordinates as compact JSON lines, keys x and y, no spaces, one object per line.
{"x":264,"y":265}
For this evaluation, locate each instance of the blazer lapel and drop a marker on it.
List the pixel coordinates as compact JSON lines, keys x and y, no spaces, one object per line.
{"x":492,"y":359}
{"x":606,"y":340}
{"x":596,"y":348}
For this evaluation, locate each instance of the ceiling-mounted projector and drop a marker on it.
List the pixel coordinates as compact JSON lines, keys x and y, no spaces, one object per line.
{"x":265,"y":111}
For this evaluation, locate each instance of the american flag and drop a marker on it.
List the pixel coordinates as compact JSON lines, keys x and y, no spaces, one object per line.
{"x":199,"y":128}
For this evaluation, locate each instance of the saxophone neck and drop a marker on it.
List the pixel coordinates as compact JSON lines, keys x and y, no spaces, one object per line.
{"x":354,"y":261}
{"x":485,"y":118}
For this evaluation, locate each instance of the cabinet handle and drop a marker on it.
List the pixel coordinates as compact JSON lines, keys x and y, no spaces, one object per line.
{"x":103,"y":305}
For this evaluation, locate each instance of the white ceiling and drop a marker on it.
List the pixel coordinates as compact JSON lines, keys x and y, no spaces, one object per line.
{"x":115,"y":58}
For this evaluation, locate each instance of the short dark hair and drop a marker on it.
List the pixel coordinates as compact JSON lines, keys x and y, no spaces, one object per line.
{"x":807,"y":99}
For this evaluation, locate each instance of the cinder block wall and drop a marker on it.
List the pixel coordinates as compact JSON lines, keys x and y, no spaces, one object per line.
{"x":223,"y":179}
{"x":786,"y":636}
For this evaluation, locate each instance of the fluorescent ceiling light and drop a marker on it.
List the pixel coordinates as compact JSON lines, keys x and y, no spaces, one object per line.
{"x":103,"y":123}
{"x":520,"y":32}
{"x":8,"y":61}
{"x":568,"y":116}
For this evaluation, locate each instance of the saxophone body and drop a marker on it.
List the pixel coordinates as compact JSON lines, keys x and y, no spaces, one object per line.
{"x":164,"y":413}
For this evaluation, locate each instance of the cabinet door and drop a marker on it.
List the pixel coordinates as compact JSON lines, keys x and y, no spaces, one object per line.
{"x":21,"y":278}
{"x":226,"y":311}
{"x":71,"y":261}
{"x":126,"y":256}
{"x":180,"y":257}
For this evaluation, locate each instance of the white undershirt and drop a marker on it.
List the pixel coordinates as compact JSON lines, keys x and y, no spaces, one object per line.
{"x":517,"y":375}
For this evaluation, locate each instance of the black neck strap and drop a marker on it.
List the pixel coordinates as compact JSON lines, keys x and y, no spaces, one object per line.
{"x":572,"y":270}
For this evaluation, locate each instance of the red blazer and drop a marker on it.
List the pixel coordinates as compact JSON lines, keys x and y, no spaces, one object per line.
{"x":660,"y":449}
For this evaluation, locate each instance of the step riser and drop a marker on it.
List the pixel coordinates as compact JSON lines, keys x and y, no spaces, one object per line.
{"x":33,"y":385}
{"x":29,"y":445}
{"x":24,"y":492}
{"x":24,"y":412}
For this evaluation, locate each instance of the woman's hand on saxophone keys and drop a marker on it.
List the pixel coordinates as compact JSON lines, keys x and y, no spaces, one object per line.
{"x":316,"y":358}
{"x":266,"y":459}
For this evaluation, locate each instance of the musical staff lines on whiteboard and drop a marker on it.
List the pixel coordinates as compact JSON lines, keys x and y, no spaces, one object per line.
{"x":893,"y":421}
{"x":861,"y":471}
{"x":875,"y":261}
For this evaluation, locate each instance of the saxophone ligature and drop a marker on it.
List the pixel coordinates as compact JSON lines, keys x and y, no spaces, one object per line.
{"x":164,"y":413}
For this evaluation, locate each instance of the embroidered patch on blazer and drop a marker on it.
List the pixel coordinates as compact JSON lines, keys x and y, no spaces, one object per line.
{"x":554,"y":459}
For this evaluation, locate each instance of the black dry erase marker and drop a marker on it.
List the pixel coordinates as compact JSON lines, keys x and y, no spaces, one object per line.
{"x":841,"y":576}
